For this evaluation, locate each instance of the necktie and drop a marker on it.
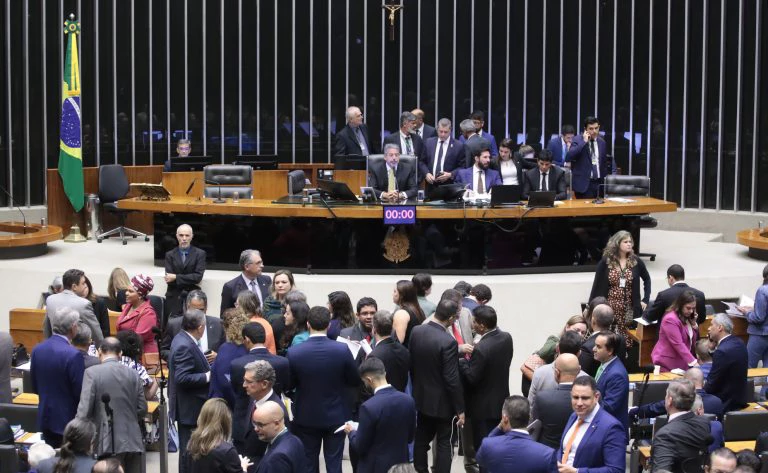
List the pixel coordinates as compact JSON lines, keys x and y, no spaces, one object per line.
{"x":595,"y":160}
{"x":439,"y":161}
{"x":544,"y":185}
{"x":183,"y":257}
{"x":480,"y":188}
{"x":458,"y":337}
{"x":599,"y":371}
{"x":391,"y":183}
{"x":569,"y":443}
{"x":408,"y":146}
{"x":361,"y":141}
{"x":257,"y":291}
{"x":565,"y":150}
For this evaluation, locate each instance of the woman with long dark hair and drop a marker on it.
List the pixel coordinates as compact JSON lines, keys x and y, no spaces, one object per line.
{"x":678,"y":332}
{"x":342,"y":313}
{"x":408,"y":313}
{"x":296,"y":331}
{"x":131,"y":346}
{"x":76,"y":453}
{"x":209,"y":450}
{"x":282,"y":284}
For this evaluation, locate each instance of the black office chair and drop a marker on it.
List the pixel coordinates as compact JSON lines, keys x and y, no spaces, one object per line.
{"x":617,"y":185}
{"x":9,"y":459}
{"x":113,"y":186}
{"x":739,"y":425}
{"x":20,"y":414}
{"x":296,"y":182}
{"x":158,"y":304}
{"x":654,"y":391}
{"x":230,"y":178}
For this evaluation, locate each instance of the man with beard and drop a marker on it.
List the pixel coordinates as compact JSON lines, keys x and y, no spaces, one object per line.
{"x":479,"y":178}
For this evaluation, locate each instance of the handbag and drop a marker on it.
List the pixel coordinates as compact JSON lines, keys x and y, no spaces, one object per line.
{"x":173,"y":438}
{"x":530,"y":364}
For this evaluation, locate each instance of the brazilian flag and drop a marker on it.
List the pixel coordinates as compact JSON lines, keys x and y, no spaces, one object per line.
{"x":70,"y":148}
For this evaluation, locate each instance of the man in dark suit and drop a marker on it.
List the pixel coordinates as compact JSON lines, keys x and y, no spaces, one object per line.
{"x":553,"y":406}
{"x":686,"y":435}
{"x":73,"y":296}
{"x":404,"y":186}
{"x":420,"y":128}
{"x":396,"y":358}
{"x":363,"y":328}
{"x":387,"y":422}
{"x":249,"y":279}
{"x":258,"y":381}
{"x":472,"y":142}
{"x":57,"y":376}
{"x":442,"y":155}
{"x":602,"y":320}
{"x":353,"y":138}
{"x":727,"y":378}
{"x":184,"y":269}
{"x":321,"y":370}
{"x":480,"y":178}
{"x":612,"y":378}
{"x":253,"y":339}
{"x":602,"y":437}
{"x":410,"y":143}
{"x":545,"y":177}
{"x":589,"y":160}
{"x":485,"y":374}
{"x":509,"y":447}
{"x":189,"y":377}
{"x":126,"y":400}
{"x":664,"y":299}
{"x":436,"y":386}
{"x":286,"y":452}
{"x":560,"y":144}
{"x":711,"y":404}
{"x":478,"y":122}
{"x":213,"y":336}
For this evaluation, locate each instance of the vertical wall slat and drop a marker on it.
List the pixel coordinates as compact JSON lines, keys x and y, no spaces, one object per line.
{"x":168,"y":78}
{"x":613,"y":92}
{"x":631,"y":150}
{"x":597,"y":53}
{"x":525,"y":70}
{"x":544,"y":75}
{"x":293,"y":74}
{"x":205,"y":78}
{"x":650,"y":89}
{"x":221,"y":77}
{"x":114,"y":75}
{"x":240,"y":77}
{"x":739,"y":83}
{"x":718,"y":194}
{"x":507,"y":67}
{"x":133,"y":83}
{"x":666,"y":119}
{"x":25,"y":24}
{"x":44,"y":96}
{"x":186,"y":67}
{"x":9,"y":114}
{"x":756,"y":107}
{"x":703,"y":124}
{"x":149,"y":87}
{"x":578,"y":69}
{"x":685,"y":106}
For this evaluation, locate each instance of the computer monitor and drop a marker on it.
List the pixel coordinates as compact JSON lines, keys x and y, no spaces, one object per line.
{"x":351,"y":162}
{"x":258,"y":162}
{"x":446,"y":192}
{"x":336,"y":190}
{"x":190,"y":163}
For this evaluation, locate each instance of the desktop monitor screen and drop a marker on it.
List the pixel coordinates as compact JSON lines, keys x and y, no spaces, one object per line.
{"x":190,"y":163}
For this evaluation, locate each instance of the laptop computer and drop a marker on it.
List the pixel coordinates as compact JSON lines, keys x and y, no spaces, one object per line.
{"x":336,"y":190}
{"x":506,"y":196}
{"x":541,"y":199}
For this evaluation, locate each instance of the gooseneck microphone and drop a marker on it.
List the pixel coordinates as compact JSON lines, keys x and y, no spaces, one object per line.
{"x":23,"y":217}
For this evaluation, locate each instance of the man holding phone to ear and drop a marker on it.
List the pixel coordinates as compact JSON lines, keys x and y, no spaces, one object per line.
{"x":589,"y":160}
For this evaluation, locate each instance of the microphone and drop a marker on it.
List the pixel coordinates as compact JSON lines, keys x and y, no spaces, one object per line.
{"x":598,"y":199}
{"x":218,"y":200}
{"x":23,"y":217}
{"x":191,"y":184}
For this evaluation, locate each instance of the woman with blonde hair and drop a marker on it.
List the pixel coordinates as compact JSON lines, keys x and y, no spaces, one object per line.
{"x":232,"y":321}
{"x":617,"y":278}
{"x":209,"y":449}
{"x":116,"y":287}
{"x":282,"y":284}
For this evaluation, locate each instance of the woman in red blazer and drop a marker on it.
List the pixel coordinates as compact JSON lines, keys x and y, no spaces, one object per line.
{"x":138,"y":314}
{"x":677,"y":335}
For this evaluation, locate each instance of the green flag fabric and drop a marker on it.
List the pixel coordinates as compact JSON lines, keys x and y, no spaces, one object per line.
{"x":70,"y":147}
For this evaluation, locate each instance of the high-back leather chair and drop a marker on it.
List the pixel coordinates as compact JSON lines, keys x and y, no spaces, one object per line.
{"x":617,"y":185}
{"x":229,"y":178}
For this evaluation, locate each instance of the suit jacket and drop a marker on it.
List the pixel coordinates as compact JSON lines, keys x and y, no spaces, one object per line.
{"x":553,"y":407}
{"x":221,"y":385}
{"x":502,"y":451}
{"x":127,"y":401}
{"x":435,"y":371}
{"x":57,"y":377}
{"x":664,"y":300}
{"x":357,"y":333}
{"x":387,"y":426}
{"x":405,"y":175}
{"x":727,"y":379}
{"x":142,"y":321}
{"x":396,"y":359}
{"x":222,"y":459}
{"x":555,"y":182}
{"x":602,"y":449}
{"x":6,"y":358}
{"x":394,"y":138}
{"x":587,"y":358}
{"x":236,"y":374}
{"x":486,"y":375}
{"x":453,"y":155}
{"x":427,"y":132}
{"x":467,"y":176}
{"x":675,"y":347}
{"x":233,"y":287}
{"x":83,"y":306}
{"x":471,"y":145}
{"x":252,"y":447}
{"x":188,"y":389}
{"x":213,"y":328}
{"x":346,"y":142}
{"x":285,"y":455}
{"x":683,"y":438}
{"x":188,"y":276}
{"x":614,"y":391}
{"x":491,"y":142}
{"x":320,"y":370}
{"x":519,"y":165}
{"x":581,"y":162}
{"x":555,"y":146}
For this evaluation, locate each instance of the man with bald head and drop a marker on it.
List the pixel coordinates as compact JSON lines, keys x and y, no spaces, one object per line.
{"x":553,"y":406}
{"x":184,"y":269}
{"x":353,"y":138}
{"x":602,"y":320}
{"x":285,"y":453}
{"x":420,"y":128}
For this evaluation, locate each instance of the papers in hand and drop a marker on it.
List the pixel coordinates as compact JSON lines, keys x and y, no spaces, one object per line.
{"x":352,"y":423}
{"x":642,"y":321}
{"x":620,"y":200}
{"x":744,"y":301}
{"x":355,"y":346}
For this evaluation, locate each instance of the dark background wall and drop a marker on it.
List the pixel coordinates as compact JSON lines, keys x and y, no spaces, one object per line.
{"x":676,"y":84}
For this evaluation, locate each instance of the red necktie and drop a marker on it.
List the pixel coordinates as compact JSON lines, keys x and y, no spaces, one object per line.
{"x":459,"y":338}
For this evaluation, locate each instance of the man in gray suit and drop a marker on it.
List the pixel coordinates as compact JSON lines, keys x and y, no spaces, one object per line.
{"x":121,"y":385}
{"x":6,"y":356}
{"x":73,"y":296}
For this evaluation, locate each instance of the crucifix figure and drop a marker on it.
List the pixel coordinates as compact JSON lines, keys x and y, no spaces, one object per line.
{"x":392,"y":9}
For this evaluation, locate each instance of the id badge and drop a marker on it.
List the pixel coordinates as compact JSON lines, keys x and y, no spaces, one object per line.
{"x":622,"y":282}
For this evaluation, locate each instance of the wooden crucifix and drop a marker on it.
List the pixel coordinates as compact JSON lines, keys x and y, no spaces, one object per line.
{"x":392,"y":9}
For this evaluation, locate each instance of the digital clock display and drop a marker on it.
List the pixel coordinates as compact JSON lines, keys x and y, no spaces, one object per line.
{"x":400,"y":215}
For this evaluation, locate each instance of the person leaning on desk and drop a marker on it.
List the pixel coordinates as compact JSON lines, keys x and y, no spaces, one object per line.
{"x":381,"y":174}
